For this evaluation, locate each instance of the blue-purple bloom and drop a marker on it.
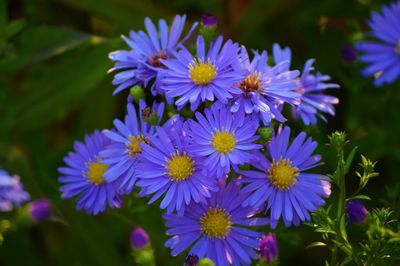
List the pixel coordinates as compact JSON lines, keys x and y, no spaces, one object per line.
{"x":223,"y":138}
{"x":126,"y":139}
{"x":382,"y":56}
{"x":349,"y":53}
{"x":216,"y":228}
{"x":262,"y":88}
{"x":207,"y":75}
{"x":209,"y":21}
{"x":356,"y":211}
{"x":83,"y":177}
{"x":141,"y":64}
{"x":139,"y":238}
{"x":281,"y":182}
{"x":12,"y":193}
{"x":269,"y":247}
{"x":313,"y":102}
{"x":169,"y":167}
{"x":40,"y":210}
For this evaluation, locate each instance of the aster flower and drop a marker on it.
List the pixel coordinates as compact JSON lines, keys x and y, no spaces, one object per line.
{"x":12,"y":193}
{"x":168,"y":167}
{"x":281,"y":182}
{"x":356,"y":211}
{"x":313,"y":102}
{"x":269,"y":247}
{"x":83,"y":177}
{"x":195,"y":79}
{"x":263,"y":88}
{"x":216,"y":228}
{"x":121,"y":154}
{"x":223,"y":138}
{"x":140,"y":65}
{"x":382,"y":56}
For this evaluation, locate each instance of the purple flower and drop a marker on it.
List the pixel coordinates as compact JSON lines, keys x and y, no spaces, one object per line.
{"x":263,"y":88}
{"x":223,"y":139}
{"x":121,"y":154}
{"x":84,"y":179}
{"x":139,"y":238}
{"x":216,"y":228}
{"x":12,"y":193}
{"x":140,"y":65}
{"x":281,"y":182}
{"x":356,"y":211}
{"x":169,"y":167}
{"x":207,"y":75}
{"x":382,"y":56}
{"x":313,"y":102}
{"x":209,"y":21}
{"x":269,"y":247}
{"x":40,"y":210}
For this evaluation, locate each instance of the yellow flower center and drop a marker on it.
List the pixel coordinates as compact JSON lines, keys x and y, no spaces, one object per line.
{"x":282,"y":174}
{"x":216,"y":222}
{"x":133,"y":146}
{"x":201,"y":72}
{"x":251,"y":83}
{"x":95,"y":172}
{"x":397,"y":47}
{"x":180,"y":167}
{"x":223,"y":141}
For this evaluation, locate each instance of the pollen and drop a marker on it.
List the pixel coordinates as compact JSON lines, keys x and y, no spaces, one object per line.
{"x":251,"y":83}
{"x":397,"y":47}
{"x":133,"y":145}
{"x":282,"y":174}
{"x":180,"y":167}
{"x":95,"y":172}
{"x":216,"y":223}
{"x":202,"y":72}
{"x":223,"y":141}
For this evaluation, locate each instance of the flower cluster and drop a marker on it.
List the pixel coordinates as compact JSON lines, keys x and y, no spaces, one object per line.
{"x":216,"y":179}
{"x":12,"y":193}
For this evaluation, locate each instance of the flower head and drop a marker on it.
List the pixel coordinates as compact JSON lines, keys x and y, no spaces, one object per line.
{"x":139,"y":238}
{"x":269,"y":247}
{"x":140,"y":65}
{"x":313,"y":102}
{"x":223,"y":139}
{"x":191,"y":260}
{"x":216,"y":228}
{"x":282,"y":184}
{"x":262,"y":88}
{"x":195,"y":79}
{"x":382,"y":56}
{"x":40,"y":210}
{"x":356,"y":211}
{"x":12,"y":193}
{"x":168,"y":167}
{"x":208,"y":20}
{"x":83,"y":177}
{"x":126,"y":139}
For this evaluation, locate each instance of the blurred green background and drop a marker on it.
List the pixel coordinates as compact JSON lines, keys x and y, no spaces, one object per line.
{"x":54,"y":89}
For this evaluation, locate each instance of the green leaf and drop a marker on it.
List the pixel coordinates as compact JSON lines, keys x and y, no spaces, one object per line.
{"x":361,"y":197}
{"x":346,"y":260}
{"x":61,"y":87}
{"x":316,"y":244}
{"x":342,"y":228}
{"x":36,"y":44}
{"x":394,"y":240}
{"x":349,"y":160}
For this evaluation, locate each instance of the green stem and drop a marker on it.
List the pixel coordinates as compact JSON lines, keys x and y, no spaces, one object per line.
{"x":341,"y":205}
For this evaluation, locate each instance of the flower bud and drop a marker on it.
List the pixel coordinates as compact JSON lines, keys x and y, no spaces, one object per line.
{"x":266,"y":133}
{"x":356,"y":211}
{"x":191,"y":260}
{"x":137,"y":93}
{"x":139,"y":238}
{"x":40,"y":210}
{"x":209,"y":21}
{"x":269,"y":247}
{"x":349,"y":53}
{"x":206,"y":262}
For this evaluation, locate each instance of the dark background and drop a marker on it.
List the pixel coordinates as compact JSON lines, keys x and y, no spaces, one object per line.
{"x":54,"y":89}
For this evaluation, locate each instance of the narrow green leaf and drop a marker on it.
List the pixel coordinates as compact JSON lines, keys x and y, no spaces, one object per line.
{"x":361,"y":197}
{"x":316,"y":244}
{"x":349,"y":160}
